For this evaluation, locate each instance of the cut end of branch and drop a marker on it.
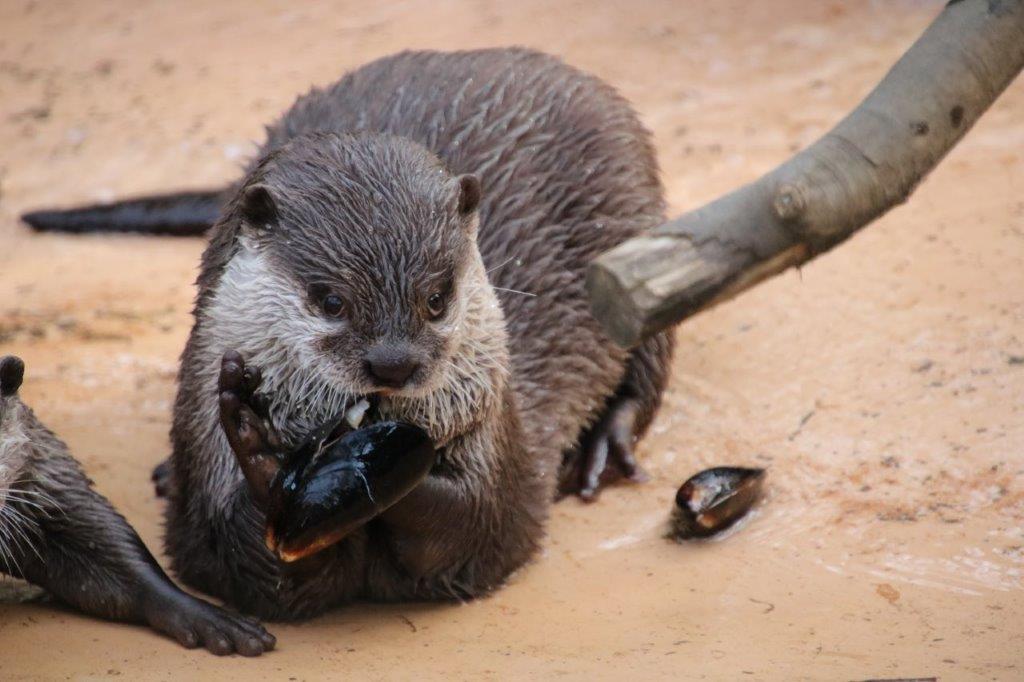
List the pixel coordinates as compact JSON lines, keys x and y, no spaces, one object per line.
{"x":612,"y":305}
{"x":648,"y":283}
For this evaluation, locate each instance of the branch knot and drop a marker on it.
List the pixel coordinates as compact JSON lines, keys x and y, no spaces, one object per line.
{"x":789,"y":203}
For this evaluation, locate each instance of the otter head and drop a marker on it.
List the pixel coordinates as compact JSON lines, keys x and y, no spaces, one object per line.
{"x":364,"y":248}
{"x":12,"y":457}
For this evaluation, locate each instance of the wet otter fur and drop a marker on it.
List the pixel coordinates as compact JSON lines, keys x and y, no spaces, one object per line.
{"x":360,"y":255}
{"x":59,"y":533}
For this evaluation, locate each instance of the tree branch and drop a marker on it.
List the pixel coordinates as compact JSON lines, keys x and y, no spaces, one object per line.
{"x":871,"y":161}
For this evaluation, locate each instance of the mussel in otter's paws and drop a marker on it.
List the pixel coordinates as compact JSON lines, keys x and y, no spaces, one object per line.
{"x":328,"y":491}
{"x":714,"y":499}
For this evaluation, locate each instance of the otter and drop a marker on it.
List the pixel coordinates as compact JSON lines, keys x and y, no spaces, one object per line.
{"x":417,"y":232}
{"x":59,"y":533}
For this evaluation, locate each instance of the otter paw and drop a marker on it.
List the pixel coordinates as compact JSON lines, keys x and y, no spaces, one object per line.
{"x":243,"y":413}
{"x":195,"y":623}
{"x":607,"y":451}
{"x":245,"y":418}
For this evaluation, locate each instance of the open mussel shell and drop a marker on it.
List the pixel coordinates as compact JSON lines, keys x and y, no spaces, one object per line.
{"x":335,"y":486}
{"x":714,"y":499}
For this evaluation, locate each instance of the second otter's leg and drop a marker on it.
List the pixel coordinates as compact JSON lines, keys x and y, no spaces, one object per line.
{"x":605,"y":450}
{"x":68,"y":539}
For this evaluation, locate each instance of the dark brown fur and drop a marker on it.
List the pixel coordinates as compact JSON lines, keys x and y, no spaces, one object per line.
{"x":57,"y":532}
{"x":362,"y":174}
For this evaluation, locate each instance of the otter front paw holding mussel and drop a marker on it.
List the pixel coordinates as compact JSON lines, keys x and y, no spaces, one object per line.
{"x":59,"y":533}
{"x":338,"y":479}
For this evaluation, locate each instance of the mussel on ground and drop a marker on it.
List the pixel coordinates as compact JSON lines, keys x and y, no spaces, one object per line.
{"x":341,"y":478}
{"x":714,"y":499}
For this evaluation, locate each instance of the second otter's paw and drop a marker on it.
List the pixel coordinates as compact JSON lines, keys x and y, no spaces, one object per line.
{"x":193,"y":623}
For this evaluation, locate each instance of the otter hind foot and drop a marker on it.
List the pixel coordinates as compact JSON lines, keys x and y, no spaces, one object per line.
{"x":606,"y":452}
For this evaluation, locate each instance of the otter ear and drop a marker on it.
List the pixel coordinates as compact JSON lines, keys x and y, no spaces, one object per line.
{"x":12,"y":371}
{"x":258,"y":208}
{"x":469,"y":194}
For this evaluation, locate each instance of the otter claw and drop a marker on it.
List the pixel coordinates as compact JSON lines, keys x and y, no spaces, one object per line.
{"x":606,"y":453}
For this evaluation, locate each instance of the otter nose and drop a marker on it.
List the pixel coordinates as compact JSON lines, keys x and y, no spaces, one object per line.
{"x":391,"y":367}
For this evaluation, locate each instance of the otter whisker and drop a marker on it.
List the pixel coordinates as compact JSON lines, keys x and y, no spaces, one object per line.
{"x":39,"y":511}
{"x":23,"y":491}
{"x":13,"y":497}
{"x":16,"y":514}
{"x":18,"y":488}
{"x":19,"y":532}
{"x":498,"y":267}
{"x":486,"y":355}
{"x":516,"y":291}
{"x":51,"y":504}
{"x":10,"y":564}
{"x":7,"y":547}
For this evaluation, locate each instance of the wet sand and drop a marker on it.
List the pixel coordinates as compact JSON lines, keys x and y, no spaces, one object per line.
{"x":882,"y":386}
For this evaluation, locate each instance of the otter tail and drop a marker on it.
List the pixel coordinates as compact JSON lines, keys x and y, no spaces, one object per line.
{"x":184,"y":214}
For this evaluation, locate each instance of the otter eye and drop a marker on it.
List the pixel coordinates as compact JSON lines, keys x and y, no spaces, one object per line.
{"x":332,"y":305}
{"x":436,"y":305}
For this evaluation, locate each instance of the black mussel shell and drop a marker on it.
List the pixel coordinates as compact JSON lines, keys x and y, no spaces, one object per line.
{"x":714,"y":499}
{"x":333,"y":487}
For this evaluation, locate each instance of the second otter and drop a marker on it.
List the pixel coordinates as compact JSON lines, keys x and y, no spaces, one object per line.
{"x":59,"y":533}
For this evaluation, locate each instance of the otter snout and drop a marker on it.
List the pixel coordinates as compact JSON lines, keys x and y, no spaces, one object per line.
{"x":392,"y":365}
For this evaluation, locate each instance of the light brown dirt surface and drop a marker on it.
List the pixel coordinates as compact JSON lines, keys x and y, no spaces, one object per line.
{"x":882,"y":386}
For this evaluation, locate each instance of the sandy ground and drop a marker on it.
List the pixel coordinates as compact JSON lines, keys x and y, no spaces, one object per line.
{"x":883,"y":386}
